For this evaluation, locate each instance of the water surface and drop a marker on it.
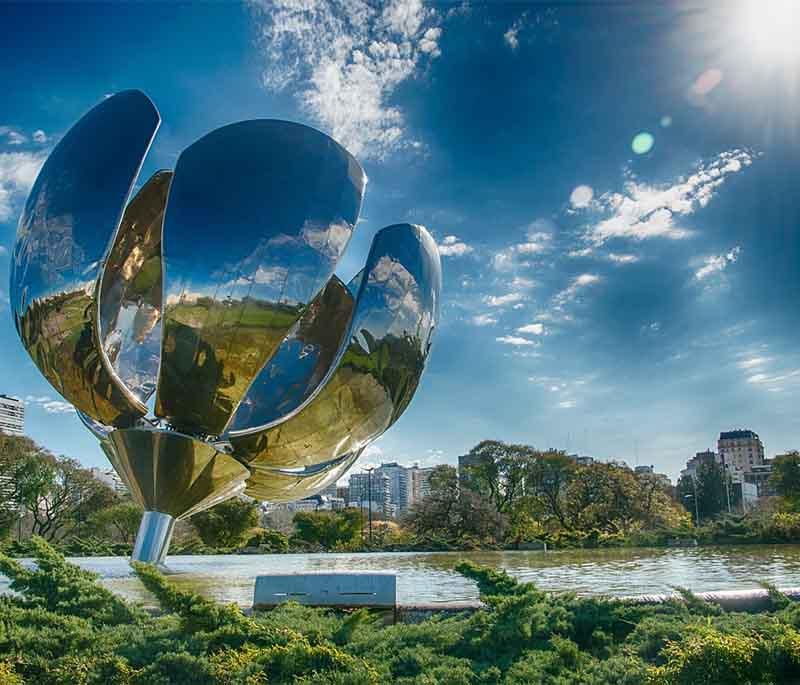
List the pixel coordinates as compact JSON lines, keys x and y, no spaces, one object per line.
{"x":428,"y":577}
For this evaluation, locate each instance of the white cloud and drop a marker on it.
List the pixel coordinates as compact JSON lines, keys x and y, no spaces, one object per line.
{"x":451,"y":246}
{"x":39,"y":136}
{"x":753,"y":362}
{"x":538,"y":239}
{"x":503,"y":300}
{"x":623,"y":258}
{"x":717,"y":263}
{"x":12,"y":135}
{"x":643,"y":211}
{"x":346,"y":58}
{"x":566,"y":404}
{"x":50,"y":405}
{"x":18,"y":171}
{"x":571,"y":291}
{"x":515,"y":340}
{"x":532,"y":329}
{"x":3,"y":250}
{"x":483,"y":320}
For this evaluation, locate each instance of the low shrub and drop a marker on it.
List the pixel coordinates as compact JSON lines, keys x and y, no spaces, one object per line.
{"x":62,"y":627}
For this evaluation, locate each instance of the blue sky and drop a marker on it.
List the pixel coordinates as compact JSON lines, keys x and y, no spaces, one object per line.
{"x":615,"y":302}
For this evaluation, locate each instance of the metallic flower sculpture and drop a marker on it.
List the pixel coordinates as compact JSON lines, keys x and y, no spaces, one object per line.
{"x":198,"y":329}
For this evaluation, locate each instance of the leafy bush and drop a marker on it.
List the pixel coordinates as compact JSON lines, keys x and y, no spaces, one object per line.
{"x":62,"y":627}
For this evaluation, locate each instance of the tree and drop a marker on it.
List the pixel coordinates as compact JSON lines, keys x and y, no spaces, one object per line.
{"x":122,"y":519}
{"x":786,"y":477}
{"x":499,"y":471}
{"x":28,"y":476}
{"x":226,"y":524}
{"x":455,"y":514}
{"x":709,"y":486}
{"x":328,"y":529}
{"x":548,"y":478}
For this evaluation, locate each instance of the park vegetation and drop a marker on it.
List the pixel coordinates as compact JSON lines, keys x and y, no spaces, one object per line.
{"x":510,"y":497}
{"x":62,"y":627}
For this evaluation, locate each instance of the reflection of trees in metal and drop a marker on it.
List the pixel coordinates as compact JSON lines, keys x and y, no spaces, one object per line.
{"x":216,"y":293}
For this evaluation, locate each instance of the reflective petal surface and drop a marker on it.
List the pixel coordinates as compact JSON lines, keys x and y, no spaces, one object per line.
{"x":278,"y":485}
{"x":130,"y":290}
{"x":302,"y":361}
{"x":258,"y":215}
{"x":172,"y":473}
{"x":70,"y":217}
{"x":378,"y":369}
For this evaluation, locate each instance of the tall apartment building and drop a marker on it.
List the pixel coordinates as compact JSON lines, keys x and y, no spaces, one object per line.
{"x":12,"y":415}
{"x":110,"y":478}
{"x":707,"y":457}
{"x":419,"y":486}
{"x":739,"y":451}
{"x":398,"y":485}
{"x":370,"y":492}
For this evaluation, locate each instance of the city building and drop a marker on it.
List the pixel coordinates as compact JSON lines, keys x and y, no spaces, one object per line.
{"x":12,"y":415}
{"x":110,"y":478}
{"x":707,"y":457}
{"x":739,"y":451}
{"x":581,"y":460}
{"x":398,"y":485}
{"x":370,"y":491}
{"x":419,"y":484}
{"x":761,"y":477}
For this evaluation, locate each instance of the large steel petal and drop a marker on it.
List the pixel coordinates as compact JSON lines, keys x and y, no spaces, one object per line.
{"x":378,"y":369}
{"x":70,"y":218}
{"x":258,"y":215}
{"x":301,"y":363}
{"x":130,"y":290}
{"x":280,"y":485}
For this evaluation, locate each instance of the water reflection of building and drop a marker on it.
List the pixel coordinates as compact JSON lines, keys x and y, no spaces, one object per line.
{"x":12,"y":415}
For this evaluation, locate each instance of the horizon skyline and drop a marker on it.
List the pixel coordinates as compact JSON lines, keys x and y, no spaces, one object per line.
{"x":612,"y":192}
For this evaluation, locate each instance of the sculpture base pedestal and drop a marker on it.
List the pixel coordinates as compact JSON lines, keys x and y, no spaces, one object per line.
{"x":153,"y":538}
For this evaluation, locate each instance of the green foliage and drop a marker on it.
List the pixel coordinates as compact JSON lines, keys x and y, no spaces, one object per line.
{"x":226,"y":524}
{"x":269,"y":542}
{"x":63,"y":628}
{"x":786,"y":477}
{"x":328,"y":529}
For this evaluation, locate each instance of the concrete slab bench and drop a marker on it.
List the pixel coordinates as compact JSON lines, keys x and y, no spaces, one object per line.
{"x":374,"y":590}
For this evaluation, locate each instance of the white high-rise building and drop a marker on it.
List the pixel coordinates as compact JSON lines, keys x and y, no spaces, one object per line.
{"x":12,"y":415}
{"x":398,"y":485}
{"x":110,"y":478}
{"x":419,"y":486}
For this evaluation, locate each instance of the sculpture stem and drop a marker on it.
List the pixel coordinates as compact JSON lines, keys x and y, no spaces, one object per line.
{"x":153,"y":538}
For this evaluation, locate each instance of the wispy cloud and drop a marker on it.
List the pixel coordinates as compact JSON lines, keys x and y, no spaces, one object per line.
{"x":532,"y":329}
{"x":511,"y":36}
{"x":12,"y":136}
{"x":717,"y":263}
{"x":451,"y":246}
{"x":345,"y":59}
{"x":503,"y":300}
{"x":483,"y":320}
{"x":18,"y":171}
{"x":515,"y":340}
{"x":645,"y":211}
{"x":50,"y":405}
{"x":753,"y":362}
{"x":572,"y":291}
{"x":538,"y":240}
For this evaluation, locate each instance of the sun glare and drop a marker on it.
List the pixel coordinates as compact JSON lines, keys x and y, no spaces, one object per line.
{"x":771,"y":29}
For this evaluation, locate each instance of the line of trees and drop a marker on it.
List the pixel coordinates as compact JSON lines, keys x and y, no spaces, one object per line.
{"x":513,"y":494}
